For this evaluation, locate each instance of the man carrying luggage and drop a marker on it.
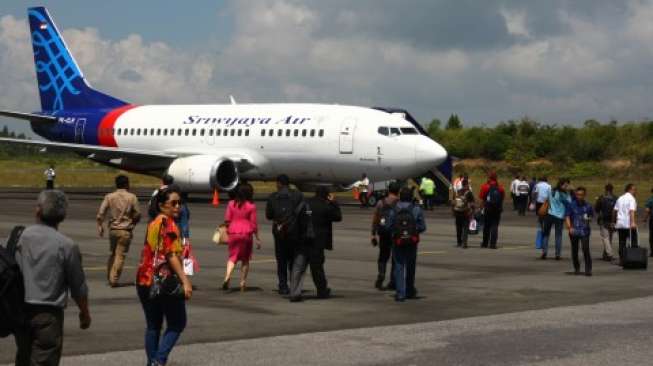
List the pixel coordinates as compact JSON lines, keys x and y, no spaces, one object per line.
{"x":624,"y":216}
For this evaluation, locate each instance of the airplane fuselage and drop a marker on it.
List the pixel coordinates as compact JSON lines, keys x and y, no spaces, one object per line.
{"x":311,"y":143}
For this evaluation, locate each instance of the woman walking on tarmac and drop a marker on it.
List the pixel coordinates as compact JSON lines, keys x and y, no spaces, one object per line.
{"x":240,"y":218}
{"x":558,"y":201}
{"x":162,"y":285}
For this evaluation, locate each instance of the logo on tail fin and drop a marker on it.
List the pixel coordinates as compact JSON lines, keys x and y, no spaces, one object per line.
{"x":55,"y":68}
{"x":61,"y":83}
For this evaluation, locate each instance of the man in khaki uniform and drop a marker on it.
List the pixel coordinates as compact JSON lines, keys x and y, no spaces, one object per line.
{"x":124,"y":214}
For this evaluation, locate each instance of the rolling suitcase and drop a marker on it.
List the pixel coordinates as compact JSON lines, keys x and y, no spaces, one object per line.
{"x":635,"y":257}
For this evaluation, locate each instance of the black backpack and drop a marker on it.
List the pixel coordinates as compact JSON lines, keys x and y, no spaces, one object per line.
{"x":607,"y":206}
{"x":387,"y":217}
{"x":12,"y":290}
{"x":405,"y":228}
{"x":493,"y":200}
{"x":286,"y":213}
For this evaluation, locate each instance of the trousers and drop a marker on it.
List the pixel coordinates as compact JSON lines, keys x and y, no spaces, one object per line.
{"x":40,"y":342}
{"x":585,"y":242}
{"x":385,"y":253}
{"x":284,"y":253}
{"x":119,"y":241}
{"x":312,"y":256}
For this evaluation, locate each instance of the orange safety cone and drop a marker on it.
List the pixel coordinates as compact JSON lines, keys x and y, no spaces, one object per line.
{"x":216,"y":198}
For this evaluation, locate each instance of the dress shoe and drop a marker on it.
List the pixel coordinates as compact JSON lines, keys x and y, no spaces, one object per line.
{"x":324,"y":294}
{"x":284,"y":291}
{"x":379,"y":284}
{"x":225,"y":285}
{"x":296,"y":299}
{"x":558,"y":257}
{"x":588,"y":274}
{"x":543,"y":256}
{"x":391,"y":287}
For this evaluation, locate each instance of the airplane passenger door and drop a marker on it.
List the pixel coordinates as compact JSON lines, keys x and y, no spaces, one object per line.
{"x":347,"y":136}
{"x":80,"y":125}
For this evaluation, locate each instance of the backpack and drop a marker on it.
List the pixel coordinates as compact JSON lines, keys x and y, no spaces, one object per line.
{"x":523,"y":188}
{"x":12,"y":290}
{"x":460,"y":203}
{"x":307,"y":217}
{"x":286,"y":213}
{"x":493,"y":200}
{"x":386,"y":219}
{"x":405,"y":228}
{"x":607,"y":206}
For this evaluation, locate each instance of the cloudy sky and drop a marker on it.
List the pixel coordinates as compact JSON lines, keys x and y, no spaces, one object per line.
{"x":554,"y":60}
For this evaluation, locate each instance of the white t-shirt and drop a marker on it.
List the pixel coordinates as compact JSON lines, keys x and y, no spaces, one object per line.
{"x":363,"y":184}
{"x":513,"y":186}
{"x":624,"y":205}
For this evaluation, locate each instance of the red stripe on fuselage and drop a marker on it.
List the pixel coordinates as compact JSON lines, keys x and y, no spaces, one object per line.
{"x":105,"y":130}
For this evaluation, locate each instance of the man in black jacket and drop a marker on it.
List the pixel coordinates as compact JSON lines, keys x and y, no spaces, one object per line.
{"x":320,"y":213}
{"x":283,"y":209}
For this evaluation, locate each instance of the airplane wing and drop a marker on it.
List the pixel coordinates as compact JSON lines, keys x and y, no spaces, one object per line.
{"x":95,"y":152}
{"x":29,"y":116}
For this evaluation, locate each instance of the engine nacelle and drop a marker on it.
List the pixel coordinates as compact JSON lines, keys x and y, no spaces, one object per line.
{"x":204,"y":173}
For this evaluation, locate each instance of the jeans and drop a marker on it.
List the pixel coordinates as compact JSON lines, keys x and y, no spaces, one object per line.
{"x":284,"y":253}
{"x":585,"y":241}
{"x":491,"y":229}
{"x":462,"y":229}
{"x":174,"y":310}
{"x":404,"y":258}
{"x":385,"y":252}
{"x":626,"y":235}
{"x":40,"y":342}
{"x":549,"y":222}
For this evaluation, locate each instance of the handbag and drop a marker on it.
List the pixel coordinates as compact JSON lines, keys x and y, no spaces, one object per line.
{"x":473,"y":227}
{"x":544,"y":209}
{"x":165,"y":281}
{"x":220,"y":235}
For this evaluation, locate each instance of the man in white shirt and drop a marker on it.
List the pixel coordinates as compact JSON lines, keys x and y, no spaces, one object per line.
{"x":624,"y":216}
{"x":513,"y":192}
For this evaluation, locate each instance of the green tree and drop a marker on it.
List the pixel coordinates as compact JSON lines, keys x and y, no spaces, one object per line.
{"x":454,"y":123}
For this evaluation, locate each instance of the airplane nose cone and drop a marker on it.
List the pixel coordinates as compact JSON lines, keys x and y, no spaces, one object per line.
{"x":429,"y":154}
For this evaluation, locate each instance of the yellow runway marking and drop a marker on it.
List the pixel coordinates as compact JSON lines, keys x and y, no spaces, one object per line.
{"x":104,"y":268}
{"x":433,"y":252}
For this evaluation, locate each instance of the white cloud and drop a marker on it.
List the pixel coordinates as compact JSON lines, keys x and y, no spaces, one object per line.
{"x":279,"y":51}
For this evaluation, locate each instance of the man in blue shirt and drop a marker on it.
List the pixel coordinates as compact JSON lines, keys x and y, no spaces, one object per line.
{"x":577,"y":220}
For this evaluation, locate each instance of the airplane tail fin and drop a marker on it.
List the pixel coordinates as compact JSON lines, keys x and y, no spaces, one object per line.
{"x":60,"y":81}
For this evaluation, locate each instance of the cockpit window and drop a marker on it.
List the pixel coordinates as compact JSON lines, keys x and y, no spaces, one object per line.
{"x":394,"y":131}
{"x":384,"y":131}
{"x":409,"y":131}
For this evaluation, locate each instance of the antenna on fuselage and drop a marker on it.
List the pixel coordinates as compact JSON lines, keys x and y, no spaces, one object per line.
{"x":232,"y":100}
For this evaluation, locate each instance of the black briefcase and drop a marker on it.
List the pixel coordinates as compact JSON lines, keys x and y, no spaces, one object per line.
{"x":635,"y":258}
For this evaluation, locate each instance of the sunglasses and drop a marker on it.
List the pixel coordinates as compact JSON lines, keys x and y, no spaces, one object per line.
{"x":174,"y":203}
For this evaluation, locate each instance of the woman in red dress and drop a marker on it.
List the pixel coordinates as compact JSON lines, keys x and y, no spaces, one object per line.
{"x":240,"y":218}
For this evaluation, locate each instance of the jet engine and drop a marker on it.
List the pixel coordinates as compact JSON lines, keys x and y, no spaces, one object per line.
{"x":204,"y":173}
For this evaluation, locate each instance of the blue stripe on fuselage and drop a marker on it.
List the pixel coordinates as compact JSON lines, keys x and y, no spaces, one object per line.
{"x":80,"y":126}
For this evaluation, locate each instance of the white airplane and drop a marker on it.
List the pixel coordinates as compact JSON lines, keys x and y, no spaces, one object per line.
{"x":208,"y":147}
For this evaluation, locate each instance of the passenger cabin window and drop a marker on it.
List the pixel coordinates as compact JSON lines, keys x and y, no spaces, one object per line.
{"x":202,"y":132}
{"x":321,"y":134}
{"x":138,"y":132}
{"x":296,"y":133}
{"x":287,"y":133}
{"x":194,"y":132}
{"x":118,"y":132}
{"x":172,"y":132}
{"x":271,"y":132}
{"x":151,"y":132}
{"x":409,"y":131}
{"x":312,"y":133}
{"x":279,"y":133}
{"x":179,"y":132}
{"x":384,"y":131}
{"x":186,"y":132}
{"x":218,"y":132}
{"x":240,"y":132}
{"x":394,"y":132}
{"x":246,"y":132}
{"x":165,"y":132}
{"x":263,"y":132}
{"x":225,"y":132}
{"x":158,"y":132}
{"x":210,"y":132}
{"x":304,"y":133}
{"x":233,"y":133}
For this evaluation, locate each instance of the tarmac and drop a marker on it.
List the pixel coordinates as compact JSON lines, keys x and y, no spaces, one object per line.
{"x":475,"y":306}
